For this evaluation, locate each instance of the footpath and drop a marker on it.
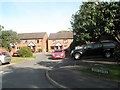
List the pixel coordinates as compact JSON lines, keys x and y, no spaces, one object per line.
{"x":69,"y":76}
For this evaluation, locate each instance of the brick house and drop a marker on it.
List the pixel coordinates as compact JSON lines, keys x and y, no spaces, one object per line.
{"x":36,"y":41}
{"x":59,"y":40}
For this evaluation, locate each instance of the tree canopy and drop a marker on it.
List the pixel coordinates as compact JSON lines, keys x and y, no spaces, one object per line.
{"x":95,"y":19}
{"x":8,"y":37}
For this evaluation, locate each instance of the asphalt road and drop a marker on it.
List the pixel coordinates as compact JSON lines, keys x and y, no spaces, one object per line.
{"x":28,"y":74}
{"x":31,"y":74}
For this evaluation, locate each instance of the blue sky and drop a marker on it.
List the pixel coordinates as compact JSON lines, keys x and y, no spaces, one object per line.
{"x":25,"y":17}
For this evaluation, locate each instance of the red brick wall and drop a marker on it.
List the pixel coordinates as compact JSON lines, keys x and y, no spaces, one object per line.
{"x":67,"y":44}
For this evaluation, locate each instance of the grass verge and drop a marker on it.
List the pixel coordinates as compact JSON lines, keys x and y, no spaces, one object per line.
{"x":114,"y":71}
{"x":20,"y":59}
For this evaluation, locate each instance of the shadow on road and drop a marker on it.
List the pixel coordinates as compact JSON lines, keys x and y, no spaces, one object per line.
{"x":25,"y":77}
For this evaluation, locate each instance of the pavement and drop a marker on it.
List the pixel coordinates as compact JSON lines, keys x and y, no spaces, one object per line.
{"x":70,"y":76}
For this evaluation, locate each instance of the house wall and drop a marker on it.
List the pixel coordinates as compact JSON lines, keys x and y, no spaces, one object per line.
{"x":44,"y":43}
{"x":38,"y":46}
{"x":62,"y":41}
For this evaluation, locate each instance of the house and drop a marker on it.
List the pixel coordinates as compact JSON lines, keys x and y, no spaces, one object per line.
{"x":59,"y":40}
{"x":36,"y":41}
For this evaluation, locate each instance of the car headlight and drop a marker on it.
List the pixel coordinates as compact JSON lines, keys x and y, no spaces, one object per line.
{"x":81,"y":52}
{"x":62,"y":54}
{"x":72,"y":51}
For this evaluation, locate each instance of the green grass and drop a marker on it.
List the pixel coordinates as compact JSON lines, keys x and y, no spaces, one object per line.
{"x":114,"y":72}
{"x":21,"y":59}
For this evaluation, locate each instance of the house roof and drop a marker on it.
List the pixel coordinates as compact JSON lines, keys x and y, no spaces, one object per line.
{"x":31,"y":35}
{"x":63,"y":35}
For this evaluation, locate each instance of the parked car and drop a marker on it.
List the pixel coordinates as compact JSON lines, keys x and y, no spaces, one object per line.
{"x":15,"y":54}
{"x":80,"y":47}
{"x":105,"y":48}
{"x":4,"y":58}
{"x":58,"y":54}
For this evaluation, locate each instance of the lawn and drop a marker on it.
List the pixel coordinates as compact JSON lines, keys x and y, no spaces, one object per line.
{"x":113,"y":71}
{"x":20,"y":59}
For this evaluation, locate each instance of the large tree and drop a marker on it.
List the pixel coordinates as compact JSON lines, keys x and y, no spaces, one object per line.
{"x":8,"y":38}
{"x":95,"y":19}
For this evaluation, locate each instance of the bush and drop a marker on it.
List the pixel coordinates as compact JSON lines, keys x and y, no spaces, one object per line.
{"x":25,"y":52}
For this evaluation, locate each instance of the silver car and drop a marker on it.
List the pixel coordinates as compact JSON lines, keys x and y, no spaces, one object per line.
{"x":4,"y":58}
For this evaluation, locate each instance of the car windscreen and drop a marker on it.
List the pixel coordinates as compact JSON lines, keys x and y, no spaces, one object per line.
{"x":58,"y":50}
{"x":6,"y":54}
{"x":87,"y":46}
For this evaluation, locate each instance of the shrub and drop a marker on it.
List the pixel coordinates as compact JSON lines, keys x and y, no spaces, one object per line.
{"x":25,"y":52}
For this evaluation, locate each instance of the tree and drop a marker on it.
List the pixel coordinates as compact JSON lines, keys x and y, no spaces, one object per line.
{"x":1,"y":27}
{"x":9,"y":37}
{"x":95,"y":19}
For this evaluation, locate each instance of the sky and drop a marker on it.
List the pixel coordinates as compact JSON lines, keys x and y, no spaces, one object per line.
{"x":37,"y":16}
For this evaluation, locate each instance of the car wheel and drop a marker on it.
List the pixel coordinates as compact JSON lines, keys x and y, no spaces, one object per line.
{"x":0,"y":63}
{"x":77,"y":56}
{"x":107,"y":54}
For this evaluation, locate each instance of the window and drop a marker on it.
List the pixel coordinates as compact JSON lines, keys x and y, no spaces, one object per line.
{"x":25,"y":41}
{"x":89,"y":46}
{"x":65,"y":47}
{"x":37,"y":41}
{"x":97,"y":45}
{"x":18,"y":47}
{"x":71,"y":40}
{"x":53,"y":41}
{"x":40,"y":40}
{"x":108,"y":44}
{"x":65,"y":41}
{"x":58,"y":51}
{"x":52,"y":47}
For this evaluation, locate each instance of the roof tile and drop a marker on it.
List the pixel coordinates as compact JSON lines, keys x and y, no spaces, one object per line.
{"x":63,"y":35}
{"x":31,"y":35}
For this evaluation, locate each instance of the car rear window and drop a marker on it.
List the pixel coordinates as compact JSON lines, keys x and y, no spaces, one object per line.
{"x":6,"y":54}
{"x":108,"y":45}
{"x":58,"y":50}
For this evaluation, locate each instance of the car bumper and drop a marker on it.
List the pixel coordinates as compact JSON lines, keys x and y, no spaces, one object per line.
{"x":6,"y":60}
{"x":15,"y":55}
{"x":57,"y":57}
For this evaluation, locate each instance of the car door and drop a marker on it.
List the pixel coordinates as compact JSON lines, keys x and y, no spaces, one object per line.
{"x":97,"y":49}
{"x":88,"y":50}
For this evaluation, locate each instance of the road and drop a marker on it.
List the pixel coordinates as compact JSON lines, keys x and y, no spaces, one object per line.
{"x":31,"y":73}
{"x":28,"y":74}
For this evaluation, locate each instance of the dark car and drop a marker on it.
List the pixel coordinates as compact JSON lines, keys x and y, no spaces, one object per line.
{"x":105,"y":48}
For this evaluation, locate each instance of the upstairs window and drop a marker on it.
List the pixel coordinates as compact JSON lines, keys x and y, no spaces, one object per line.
{"x":37,"y":41}
{"x":25,"y":41}
{"x":65,"y":41}
{"x":54,"y":41}
{"x":18,"y":47}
